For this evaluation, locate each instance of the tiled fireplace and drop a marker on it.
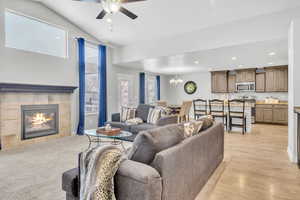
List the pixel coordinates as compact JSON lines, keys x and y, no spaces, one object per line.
{"x":39,"y":120}
{"x":33,"y":113}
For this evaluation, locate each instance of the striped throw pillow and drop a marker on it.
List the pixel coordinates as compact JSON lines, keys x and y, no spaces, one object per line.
{"x":153,"y":115}
{"x":127,"y":113}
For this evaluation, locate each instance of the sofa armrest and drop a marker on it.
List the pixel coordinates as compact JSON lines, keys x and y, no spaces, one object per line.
{"x":116,"y":117}
{"x":137,"y":181}
{"x":172,"y":119}
{"x":70,"y":182}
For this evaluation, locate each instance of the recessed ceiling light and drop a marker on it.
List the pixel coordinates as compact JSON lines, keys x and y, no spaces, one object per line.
{"x":272,"y":54}
{"x":109,"y":20}
{"x":270,"y":63}
{"x":234,"y":58}
{"x":241,"y":65}
{"x":196,"y":62}
{"x":57,"y":37}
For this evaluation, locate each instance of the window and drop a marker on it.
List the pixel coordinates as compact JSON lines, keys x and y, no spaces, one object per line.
{"x":29,"y":34}
{"x":151,"y":90}
{"x":91,"y":79}
{"x":91,"y":86}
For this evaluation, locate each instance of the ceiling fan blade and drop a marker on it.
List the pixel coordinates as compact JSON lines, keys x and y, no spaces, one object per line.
{"x":130,"y":1}
{"x":128,"y":13}
{"x":101,"y":15}
{"x":93,"y":1}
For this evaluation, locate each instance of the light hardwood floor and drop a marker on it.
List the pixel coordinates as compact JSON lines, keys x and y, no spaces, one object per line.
{"x":256,"y":167}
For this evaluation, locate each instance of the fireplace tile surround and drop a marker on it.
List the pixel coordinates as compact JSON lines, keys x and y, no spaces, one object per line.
{"x":11,"y":119}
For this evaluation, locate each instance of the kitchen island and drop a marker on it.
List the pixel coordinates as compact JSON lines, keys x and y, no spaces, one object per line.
{"x":238,"y":107}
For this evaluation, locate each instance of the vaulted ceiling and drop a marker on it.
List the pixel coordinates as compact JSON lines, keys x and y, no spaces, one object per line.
{"x":163,"y":18}
{"x":170,"y":35}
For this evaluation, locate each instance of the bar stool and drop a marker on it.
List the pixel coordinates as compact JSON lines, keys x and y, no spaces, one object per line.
{"x":217,"y":110}
{"x":200,"y":108}
{"x":235,"y":114}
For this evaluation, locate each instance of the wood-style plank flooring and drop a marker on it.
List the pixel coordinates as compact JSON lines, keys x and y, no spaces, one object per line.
{"x":256,"y":167}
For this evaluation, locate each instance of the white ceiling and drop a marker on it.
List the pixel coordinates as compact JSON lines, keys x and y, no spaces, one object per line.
{"x":163,"y":18}
{"x":252,"y":55}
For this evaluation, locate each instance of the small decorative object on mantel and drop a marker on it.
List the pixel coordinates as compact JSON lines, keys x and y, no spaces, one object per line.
{"x":190,"y":87}
{"x":108,"y":130}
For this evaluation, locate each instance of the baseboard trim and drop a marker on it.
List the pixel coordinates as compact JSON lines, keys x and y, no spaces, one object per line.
{"x":292,"y":157}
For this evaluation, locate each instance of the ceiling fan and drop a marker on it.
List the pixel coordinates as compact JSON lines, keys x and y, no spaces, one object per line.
{"x":113,"y":6}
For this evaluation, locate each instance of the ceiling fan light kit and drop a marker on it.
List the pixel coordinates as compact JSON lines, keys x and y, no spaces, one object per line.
{"x":113,"y":6}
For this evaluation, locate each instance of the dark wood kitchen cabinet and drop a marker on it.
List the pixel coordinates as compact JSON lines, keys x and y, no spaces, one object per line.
{"x":268,"y":113}
{"x":277,"y":79}
{"x":245,"y":75}
{"x":231,"y":83}
{"x":219,"y":82}
{"x":260,"y":82}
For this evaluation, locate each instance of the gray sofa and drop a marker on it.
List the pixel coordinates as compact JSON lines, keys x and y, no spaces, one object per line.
{"x":179,"y":168}
{"x":141,"y":112}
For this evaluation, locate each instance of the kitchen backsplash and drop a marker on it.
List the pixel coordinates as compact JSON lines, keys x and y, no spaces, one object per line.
{"x":282,"y":96}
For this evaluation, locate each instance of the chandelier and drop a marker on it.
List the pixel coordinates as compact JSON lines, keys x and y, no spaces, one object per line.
{"x":111,"y":6}
{"x":176,"y":81}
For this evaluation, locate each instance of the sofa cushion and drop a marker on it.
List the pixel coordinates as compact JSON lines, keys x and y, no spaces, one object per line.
{"x":152,"y":141}
{"x":135,"y":129}
{"x":120,"y":125}
{"x":142,"y":111}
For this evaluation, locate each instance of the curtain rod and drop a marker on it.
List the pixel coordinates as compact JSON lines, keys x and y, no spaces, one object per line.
{"x":95,"y":43}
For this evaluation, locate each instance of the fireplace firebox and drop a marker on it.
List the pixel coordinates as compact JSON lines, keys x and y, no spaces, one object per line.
{"x":39,"y":120}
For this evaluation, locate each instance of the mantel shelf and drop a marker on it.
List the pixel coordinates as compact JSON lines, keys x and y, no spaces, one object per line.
{"x":32,"y":88}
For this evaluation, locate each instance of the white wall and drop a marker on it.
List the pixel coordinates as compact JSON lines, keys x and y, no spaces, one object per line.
{"x":18,"y":66}
{"x":175,"y":95}
{"x":294,"y":86}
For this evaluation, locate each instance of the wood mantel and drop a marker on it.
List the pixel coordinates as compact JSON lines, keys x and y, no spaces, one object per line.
{"x":32,"y":88}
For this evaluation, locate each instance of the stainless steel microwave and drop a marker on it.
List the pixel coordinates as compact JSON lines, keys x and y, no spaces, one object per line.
{"x":245,"y":87}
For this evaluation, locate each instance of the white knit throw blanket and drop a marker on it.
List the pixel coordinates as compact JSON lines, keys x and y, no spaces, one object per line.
{"x":89,"y":165}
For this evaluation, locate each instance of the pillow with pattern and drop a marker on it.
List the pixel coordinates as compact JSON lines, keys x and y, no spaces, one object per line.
{"x":192,"y":128}
{"x":207,"y":120}
{"x":153,"y":116}
{"x":127,"y":113}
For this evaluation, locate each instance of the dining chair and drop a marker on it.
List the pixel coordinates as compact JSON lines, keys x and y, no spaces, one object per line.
{"x":184,"y":112}
{"x":217,"y":110}
{"x":200,"y":108}
{"x":236,"y":110}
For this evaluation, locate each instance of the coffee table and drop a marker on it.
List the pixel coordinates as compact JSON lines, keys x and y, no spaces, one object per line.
{"x":95,"y":137}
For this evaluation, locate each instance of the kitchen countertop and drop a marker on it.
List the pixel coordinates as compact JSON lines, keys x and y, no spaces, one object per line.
{"x":264,"y":103}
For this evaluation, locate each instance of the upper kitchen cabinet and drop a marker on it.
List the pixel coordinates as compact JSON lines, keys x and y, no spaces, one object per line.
{"x":260,"y":82}
{"x":245,"y":75}
{"x":219,"y":82}
{"x":277,"y":79}
{"x":231,"y":82}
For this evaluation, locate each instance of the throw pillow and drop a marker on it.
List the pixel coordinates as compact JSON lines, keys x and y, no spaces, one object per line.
{"x":134,"y":121}
{"x":127,"y":113}
{"x":192,"y":128}
{"x":153,"y":116}
{"x":207,"y":120}
{"x":148,"y":143}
